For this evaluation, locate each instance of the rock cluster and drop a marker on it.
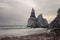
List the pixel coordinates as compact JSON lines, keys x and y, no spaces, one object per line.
{"x":34,"y":22}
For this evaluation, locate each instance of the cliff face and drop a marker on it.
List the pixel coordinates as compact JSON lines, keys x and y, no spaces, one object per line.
{"x":34,"y":22}
{"x":56,"y":22}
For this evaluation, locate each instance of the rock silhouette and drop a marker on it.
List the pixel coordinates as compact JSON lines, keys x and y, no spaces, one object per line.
{"x":36,"y":22}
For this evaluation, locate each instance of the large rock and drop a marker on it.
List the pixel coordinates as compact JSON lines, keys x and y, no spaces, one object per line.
{"x":41,"y":22}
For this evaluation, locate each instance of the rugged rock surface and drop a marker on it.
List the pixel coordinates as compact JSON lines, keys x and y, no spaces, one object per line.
{"x":56,"y":22}
{"x":34,"y":22}
{"x":41,"y":22}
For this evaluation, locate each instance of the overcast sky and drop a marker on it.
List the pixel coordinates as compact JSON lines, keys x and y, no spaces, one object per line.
{"x":17,"y":12}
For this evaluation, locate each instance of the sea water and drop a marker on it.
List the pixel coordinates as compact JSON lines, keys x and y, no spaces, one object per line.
{"x":20,"y":31}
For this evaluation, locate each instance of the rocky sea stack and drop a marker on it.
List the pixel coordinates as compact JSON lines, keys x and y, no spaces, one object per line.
{"x":32,"y":20}
{"x":37,"y":22}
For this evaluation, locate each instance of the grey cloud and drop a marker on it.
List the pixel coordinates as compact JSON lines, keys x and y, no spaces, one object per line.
{"x":16,"y":12}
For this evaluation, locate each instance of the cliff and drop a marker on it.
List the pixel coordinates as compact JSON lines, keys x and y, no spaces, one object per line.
{"x":56,"y":22}
{"x":32,"y":20}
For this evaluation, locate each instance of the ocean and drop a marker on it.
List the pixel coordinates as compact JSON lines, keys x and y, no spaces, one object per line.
{"x":12,"y":27}
{"x":20,"y":31}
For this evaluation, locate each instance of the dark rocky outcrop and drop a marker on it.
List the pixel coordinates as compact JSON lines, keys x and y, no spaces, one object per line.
{"x":33,"y":13}
{"x":41,"y":22}
{"x":55,"y":24}
{"x":34,"y":22}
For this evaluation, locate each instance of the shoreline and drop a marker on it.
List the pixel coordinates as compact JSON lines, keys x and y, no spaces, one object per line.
{"x":22,"y":32}
{"x":42,"y":36}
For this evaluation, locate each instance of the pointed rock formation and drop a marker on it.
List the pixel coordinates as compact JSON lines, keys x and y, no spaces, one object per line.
{"x":34,"y":22}
{"x":41,"y":22}
{"x":56,"y":22}
{"x":33,"y":13}
{"x":32,"y":19}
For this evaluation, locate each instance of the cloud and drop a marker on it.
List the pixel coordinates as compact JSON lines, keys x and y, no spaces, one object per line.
{"x":18,"y":11}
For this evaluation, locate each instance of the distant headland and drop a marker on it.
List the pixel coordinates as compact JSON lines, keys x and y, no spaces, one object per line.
{"x":40,"y":22}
